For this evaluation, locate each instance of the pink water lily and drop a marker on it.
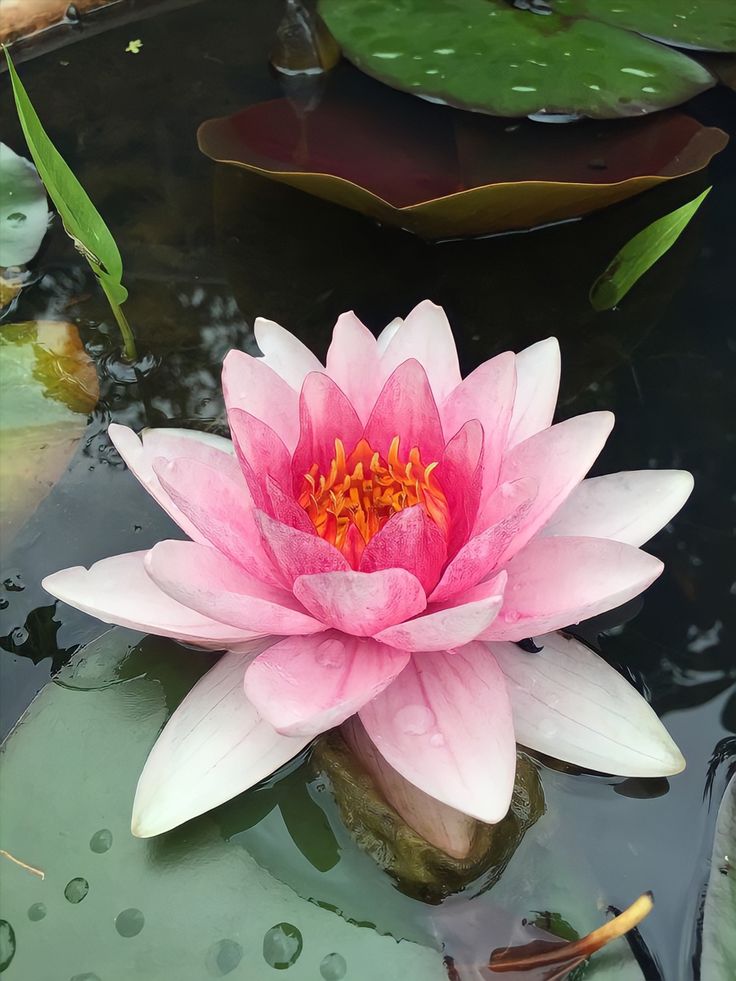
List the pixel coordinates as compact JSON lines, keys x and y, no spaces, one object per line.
{"x":374,"y":539}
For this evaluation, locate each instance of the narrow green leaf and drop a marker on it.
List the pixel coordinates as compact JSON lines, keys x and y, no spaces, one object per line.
{"x":639,"y":254}
{"x":82,"y":221}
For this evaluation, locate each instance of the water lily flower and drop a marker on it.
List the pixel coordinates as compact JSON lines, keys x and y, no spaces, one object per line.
{"x":375,"y":538}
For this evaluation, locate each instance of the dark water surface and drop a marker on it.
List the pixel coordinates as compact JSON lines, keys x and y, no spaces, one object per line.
{"x":206,"y":249}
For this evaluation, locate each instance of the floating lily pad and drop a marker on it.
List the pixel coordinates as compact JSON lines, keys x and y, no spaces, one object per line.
{"x":190,"y":905}
{"x":488,"y":56}
{"x":48,"y":385}
{"x":444,"y":173}
{"x":718,"y":959}
{"x":24,"y":213}
{"x":707,"y":24}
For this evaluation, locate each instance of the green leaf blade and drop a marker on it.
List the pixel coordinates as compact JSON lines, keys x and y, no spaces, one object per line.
{"x":639,"y":255}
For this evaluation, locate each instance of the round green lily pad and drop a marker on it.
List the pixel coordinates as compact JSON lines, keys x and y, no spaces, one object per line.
{"x":487,"y":56}
{"x":706,"y":24}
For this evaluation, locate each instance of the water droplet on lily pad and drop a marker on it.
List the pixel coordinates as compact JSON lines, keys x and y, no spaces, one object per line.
{"x":76,"y":890}
{"x":101,"y":841}
{"x":130,"y":922}
{"x":85,"y":977}
{"x":223,"y":957}
{"x":7,"y":944}
{"x":333,"y":967}
{"x":282,"y":946}
{"x":36,"y":912}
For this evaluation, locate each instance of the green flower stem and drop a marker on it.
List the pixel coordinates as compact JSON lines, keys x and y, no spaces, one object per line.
{"x":129,"y":349}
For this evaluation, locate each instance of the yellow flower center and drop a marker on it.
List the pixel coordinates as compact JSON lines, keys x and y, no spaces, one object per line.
{"x":363,"y":491}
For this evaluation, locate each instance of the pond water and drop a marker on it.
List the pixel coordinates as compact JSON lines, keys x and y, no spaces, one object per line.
{"x":206,"y":249}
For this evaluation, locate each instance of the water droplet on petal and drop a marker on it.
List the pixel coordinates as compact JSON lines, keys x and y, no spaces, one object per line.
{"x":437,"y":739}
{"x":511,"y":616}
{"x":415,"y":720}
{"x":330,"y":653}
{"x":282,"y":946}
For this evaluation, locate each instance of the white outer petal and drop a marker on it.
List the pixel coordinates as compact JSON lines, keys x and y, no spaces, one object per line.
{"x":284,"y":353}
{"x":537,"y":385}
{"x":630,"y":507}
{"x":213,"y":747}
{"x":569,"y":703}
{"x":387,"y":334}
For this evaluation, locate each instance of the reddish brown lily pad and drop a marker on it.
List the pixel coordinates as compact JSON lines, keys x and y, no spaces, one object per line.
{"x":444,"y":173}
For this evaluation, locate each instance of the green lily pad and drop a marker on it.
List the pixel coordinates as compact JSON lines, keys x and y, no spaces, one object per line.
{"x":24,"y":213}
{"x":640,"y":253}
{"x":487,"y":56}
{"x":718,"y":959}
{"x":190,"y":905}
{"x":707,"y":24}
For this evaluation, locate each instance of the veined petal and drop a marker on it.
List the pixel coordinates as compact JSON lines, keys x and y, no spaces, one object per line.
{"x":447,"y":626}
{"x":285,"y":353}
{"x":139,"y":452}
{"x":306,"y":685}
{"x":628,"y":507}
{"x":445,"y":725}
{"x":509,"y":504}
{"x":219,"y":509}
{"x":406,"y":408}
{"x":119,"y":590}
{"x":487,"y":394}
{"x":204,"y":580}
{"x":442,"y":826}
{"x":213,"y":747}
{"x":537,"y":385}
{"x":555,"y":582}
{"x":325,"y":414}
{"x":361,"y":603}
{"x":557,"y":459}
{"x":426,"y":336}
{"x":294,"y":552}
{"x":409,"y":540}
{"x":249,"y":384}
{"x":353,"y":363}
{"x":261,"y":454}
{"x":461,"y":474}
{"x":568,"y":703}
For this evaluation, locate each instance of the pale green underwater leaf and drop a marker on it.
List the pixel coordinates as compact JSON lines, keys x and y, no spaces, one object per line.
{"x":81,"y":219}
{"x":24,"y":214}
{"x":488,"y":56}
{"x":718,"y":960}
{"x":186,"y":906}
{"x":639,"y":254}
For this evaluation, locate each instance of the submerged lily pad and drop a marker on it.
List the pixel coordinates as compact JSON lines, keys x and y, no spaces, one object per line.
{"x":443,"y":173}
{"x":488,"y":56}
{"x":48,"y":385}
{"x":190,"y":905}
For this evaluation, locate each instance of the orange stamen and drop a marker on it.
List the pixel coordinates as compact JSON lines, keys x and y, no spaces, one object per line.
{"x":352,"y":502}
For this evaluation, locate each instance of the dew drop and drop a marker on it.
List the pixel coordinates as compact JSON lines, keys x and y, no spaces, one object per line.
{"x":223,"y":957}
{"x":415,"y":720}
{"x":101,"y":841}
{"x":511,"y":616}
{"x":130,"y":922}
{"x":7,"y":944}
{"x":437,"y":740}
{"x":36,"y":912}
{"x":76,"y":890}
{"x":333,"y":967}
{"x":330,"y":653}
{"x":282,"y":946}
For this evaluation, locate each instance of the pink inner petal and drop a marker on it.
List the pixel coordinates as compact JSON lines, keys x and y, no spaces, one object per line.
{"x":409,"y":540}
{"x":406,"y":408}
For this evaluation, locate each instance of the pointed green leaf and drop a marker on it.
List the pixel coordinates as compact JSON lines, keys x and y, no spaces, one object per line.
{"x":639,"y":254}
{"x":82,"y":221}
